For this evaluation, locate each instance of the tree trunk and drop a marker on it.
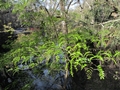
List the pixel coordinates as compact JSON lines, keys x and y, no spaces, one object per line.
{"x":63,"y":14}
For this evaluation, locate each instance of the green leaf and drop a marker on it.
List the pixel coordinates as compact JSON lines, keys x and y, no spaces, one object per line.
{"x":101,"y":72}
{"x":16,"y":60}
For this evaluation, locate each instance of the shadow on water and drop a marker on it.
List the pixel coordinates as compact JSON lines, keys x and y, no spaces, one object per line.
{"x":48,"y":82}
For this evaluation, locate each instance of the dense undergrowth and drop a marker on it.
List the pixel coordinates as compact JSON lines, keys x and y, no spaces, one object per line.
{"x":78,"y":50}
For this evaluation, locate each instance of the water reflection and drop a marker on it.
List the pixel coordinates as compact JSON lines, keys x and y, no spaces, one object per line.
{"x":47,"y":81}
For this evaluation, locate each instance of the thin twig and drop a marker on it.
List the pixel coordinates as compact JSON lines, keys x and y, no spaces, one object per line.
{"x":88,"y":5}
{"x":55,"y":8}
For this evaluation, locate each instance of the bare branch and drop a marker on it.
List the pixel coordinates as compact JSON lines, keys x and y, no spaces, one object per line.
{"x":116,"y":20}
{"x":74,"y":3}
{"x":89,"y":5}
{"x":69,"y":6}
{"x":55,"y":8}
{"x":47,"y":10}
{"x":80,"y":5}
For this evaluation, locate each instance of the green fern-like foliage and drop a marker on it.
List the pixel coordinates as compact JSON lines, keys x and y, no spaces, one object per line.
{"x":81,"y":55}
{"x":68,"y":52}
{"x":73,"y":51}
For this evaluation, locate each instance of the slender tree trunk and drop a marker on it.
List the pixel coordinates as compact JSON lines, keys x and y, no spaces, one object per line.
{"x":63,"y":14}
{"x":64,"y":31}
